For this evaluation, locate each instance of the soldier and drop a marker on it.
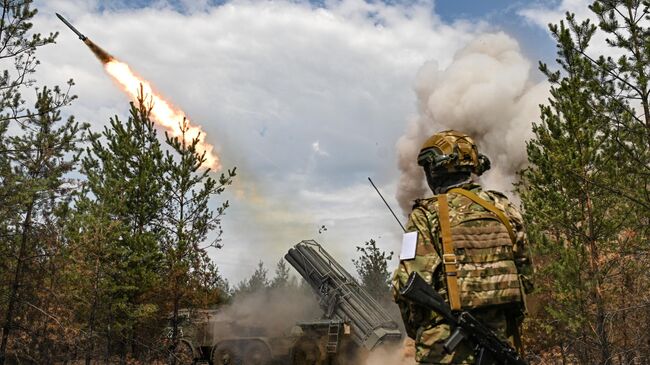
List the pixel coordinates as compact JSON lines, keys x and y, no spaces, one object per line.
{"x":470,"y":246}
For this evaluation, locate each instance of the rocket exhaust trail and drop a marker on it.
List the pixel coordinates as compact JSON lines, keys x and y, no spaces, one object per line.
{"x":103,"y":56}
{"x":162,"y":111}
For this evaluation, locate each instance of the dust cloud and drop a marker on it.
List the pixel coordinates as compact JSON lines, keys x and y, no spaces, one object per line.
{"x":404,"y":355}
{"x":274,"y":313}
{"x":487,"y":92}
{"x":270,"y":312}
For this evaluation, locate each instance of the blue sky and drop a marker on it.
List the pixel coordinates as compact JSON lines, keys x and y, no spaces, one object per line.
{"x":503,"y":14}
{"x":309,"y":100}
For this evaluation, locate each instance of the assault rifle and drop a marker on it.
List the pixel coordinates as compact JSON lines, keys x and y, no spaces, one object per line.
{"x":488,"y":346}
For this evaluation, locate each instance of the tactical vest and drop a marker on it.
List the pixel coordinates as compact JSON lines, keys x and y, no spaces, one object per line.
{"x":478,"y":253}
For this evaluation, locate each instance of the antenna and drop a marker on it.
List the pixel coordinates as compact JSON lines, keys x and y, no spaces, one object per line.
{"x":387,"y":206}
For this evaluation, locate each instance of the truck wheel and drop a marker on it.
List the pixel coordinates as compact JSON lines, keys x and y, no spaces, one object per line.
{"x":305,"y":352}
{"x":182,"y":354}
{"x":227,"y":354}
{"x":257,"y":354}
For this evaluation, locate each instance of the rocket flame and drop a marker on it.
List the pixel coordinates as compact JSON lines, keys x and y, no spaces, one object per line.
{"x":162,"y":111}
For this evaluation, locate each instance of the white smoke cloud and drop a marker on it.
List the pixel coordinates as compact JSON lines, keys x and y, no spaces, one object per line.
{"x":274,"y":311}
{"x":404,"y":355}
{"x":487,"y":92}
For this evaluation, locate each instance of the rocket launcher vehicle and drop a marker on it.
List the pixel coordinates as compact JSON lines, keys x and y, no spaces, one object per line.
{"x":342,"y":298}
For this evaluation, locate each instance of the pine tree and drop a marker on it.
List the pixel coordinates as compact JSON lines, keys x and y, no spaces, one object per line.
{"x":125,"y":168}
{"x":258,"y":281}
{"x":187,"y":219}
{"x":32,"y":192}
{"x":91,"y":234}
{"x":281,"y":278}
{"x":372,"y":268}
{"x":585,"y":193}
{"x":19,"y":46}
{"x":37,"y":192}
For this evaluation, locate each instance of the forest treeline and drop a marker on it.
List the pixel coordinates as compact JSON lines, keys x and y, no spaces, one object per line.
{"x":104,"y":236}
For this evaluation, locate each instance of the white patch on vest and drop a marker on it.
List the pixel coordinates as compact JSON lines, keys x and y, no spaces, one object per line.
{"x":409,"y":244}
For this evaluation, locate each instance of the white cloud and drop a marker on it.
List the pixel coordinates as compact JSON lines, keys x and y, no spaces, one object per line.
{"x":318,"y":150}
{"x":265,"y":80}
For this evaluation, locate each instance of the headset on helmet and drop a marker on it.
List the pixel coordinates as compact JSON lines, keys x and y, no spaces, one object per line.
{"x":452,"y":151}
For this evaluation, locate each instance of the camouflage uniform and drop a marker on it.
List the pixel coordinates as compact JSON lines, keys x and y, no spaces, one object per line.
{"x":426,"y":327}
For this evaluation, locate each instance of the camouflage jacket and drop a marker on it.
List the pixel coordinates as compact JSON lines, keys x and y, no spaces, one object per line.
{"x":424,"y":326}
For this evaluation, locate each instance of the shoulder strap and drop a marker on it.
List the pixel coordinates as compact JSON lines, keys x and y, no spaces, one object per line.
{"x":489,"y":206}
{"x":448,"y":255}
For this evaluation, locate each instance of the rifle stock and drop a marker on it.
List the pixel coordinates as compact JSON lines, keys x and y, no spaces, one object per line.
{"x":464,"y":325}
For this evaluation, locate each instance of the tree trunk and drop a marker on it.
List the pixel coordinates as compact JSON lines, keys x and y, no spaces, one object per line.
{"x":15,"y":286}
{"x":605,"y":355}
{"x":594,"y":263}
{"x":177,"y":258}
{"x":109,"y":335}
{"x":91,"y":319}
{"x":49,"y":342}
{"x":175,"y":324}
{"x":123,"y":342}
{"x":584,"y":352}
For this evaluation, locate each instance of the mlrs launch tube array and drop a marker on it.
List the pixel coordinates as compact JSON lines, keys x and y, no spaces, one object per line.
{"x":341,"y":298}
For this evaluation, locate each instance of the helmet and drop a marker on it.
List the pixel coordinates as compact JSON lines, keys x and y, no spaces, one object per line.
{"x":452,"y":151}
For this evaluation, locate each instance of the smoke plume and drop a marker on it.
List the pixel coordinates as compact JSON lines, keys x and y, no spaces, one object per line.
{"x":486,"y":92}
{"x":404,"y":355}
{"x":272,"y":311}
{"x":103,"y":56}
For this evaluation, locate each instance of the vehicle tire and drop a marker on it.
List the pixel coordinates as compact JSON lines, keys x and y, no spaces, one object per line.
{"x":349,"y":354}
{"x":183,"y":354}
{"x":305,"y":352}
{"x":257,"y":353}
{"x":227,"y":354}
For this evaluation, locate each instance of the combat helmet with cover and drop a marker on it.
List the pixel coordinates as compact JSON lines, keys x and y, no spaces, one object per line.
{"x":452,"y":151}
